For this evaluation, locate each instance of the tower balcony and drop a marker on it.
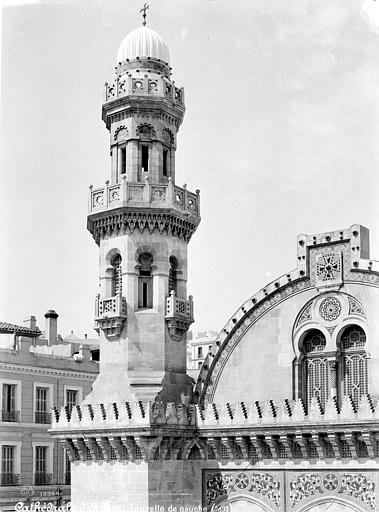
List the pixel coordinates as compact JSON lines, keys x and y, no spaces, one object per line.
{"x":144,"y":195}
{"x":179,"y":315}
{"x":154,"y":86}
{"x":110,"y":315}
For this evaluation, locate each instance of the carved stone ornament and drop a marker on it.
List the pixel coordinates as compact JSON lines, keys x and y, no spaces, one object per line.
{"x":330,"y":308}
{"x":264,"y":485}
{"x":120,"y":130}
{"x":355,"y":308}
{"x":328,"y":269}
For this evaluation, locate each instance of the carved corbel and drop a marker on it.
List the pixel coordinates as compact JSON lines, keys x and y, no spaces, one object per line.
{"x":176,"y":447}
{"x":349,"y":437}
{"x":242,"y":443}
{"x":287,"y":444}
{"x":317,"y":442}
{"x":104,"y":445}
{"x":216,"y":447}
{"x":272,"y":443}
{"x":130,"y":446}
{"x":334,"y":440}
{"x":81,"y":445}
{"x":70,"y":449}
{"x":117,"y":446}
{"x":367,"y":438}
{"x":258,"y":445}
{"x":301,"y":442}
{"x":229,"y":445}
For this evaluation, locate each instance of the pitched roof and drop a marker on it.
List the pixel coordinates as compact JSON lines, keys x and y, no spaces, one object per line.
{"x":7,"y":328}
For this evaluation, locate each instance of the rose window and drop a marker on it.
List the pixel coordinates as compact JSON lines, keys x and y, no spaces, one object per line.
{"x":330,"y":308}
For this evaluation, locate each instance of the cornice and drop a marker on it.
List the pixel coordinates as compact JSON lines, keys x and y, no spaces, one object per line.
{"x":126,"y":220}
{"x":19,"y":368}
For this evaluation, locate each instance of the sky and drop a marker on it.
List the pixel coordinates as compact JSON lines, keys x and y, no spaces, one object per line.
{"x":280,"y":135}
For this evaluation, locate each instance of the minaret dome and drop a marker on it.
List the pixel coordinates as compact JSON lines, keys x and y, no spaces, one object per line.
{"x":143,"y":42}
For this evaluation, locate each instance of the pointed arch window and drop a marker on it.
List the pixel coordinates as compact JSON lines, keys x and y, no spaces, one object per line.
{"x":354,"y":362}
{"x":145,"y":281}
{"x":117,"y":277}
{"x":316,"y":371}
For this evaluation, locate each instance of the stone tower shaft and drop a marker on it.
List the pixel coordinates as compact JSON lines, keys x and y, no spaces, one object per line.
{"x":142,"y":222}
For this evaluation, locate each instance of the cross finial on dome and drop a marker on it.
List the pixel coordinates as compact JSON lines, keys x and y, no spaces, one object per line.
{"x":143,"y":10}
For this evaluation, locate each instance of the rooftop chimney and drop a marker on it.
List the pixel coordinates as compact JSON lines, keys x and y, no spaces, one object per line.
{"x":51,"y":327}
{"x":31,"y":322}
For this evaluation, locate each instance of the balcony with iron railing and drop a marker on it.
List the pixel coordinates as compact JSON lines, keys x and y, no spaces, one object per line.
{"x":43,"y":478}
{"x":145,"y":195}
{"x":10,"y":479}
{"x":10,"y":415}
{"x":42,"y":417}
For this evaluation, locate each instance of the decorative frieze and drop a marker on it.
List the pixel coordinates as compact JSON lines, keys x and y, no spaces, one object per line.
{"x":356,"y":487}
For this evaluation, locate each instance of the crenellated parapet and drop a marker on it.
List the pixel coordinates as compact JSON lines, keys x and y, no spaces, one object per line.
{"x":253,"y":431}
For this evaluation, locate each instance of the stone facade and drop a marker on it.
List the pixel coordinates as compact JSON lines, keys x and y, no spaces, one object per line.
{"x":284,"y":416}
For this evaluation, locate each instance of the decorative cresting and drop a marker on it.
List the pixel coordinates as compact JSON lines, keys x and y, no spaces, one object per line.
{"x":351,"y":243}
{"x":250,"y":432}
{"x":125,"y":207}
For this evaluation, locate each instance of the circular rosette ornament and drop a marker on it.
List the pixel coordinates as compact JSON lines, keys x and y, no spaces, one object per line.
{"x":330,"y":482}
{"x":330,"y":308}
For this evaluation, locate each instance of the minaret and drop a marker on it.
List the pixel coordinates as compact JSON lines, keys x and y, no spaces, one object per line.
{"x":142,"y":222}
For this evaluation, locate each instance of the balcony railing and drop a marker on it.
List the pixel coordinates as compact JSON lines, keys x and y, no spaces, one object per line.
{"x":42,"y":417}
{"x":179,"y":308}
{"x":10,"y":479}
{"x":42,"y":478}
{"x":156,"y":87}
{"x":144,"y":194}
{"x":11,"y":415}
{"x":110,"y":314}
{"x":112,"y":307}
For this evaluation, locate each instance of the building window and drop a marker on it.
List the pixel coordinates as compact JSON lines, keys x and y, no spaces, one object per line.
{"x":199,"y":364}
{"x":71,"y":399}
{"x":41,"y":414}
{"x":145,"y":158}
{"x":41,"y":476}
{"x":8,"y":476}
{"x":117,"y":278}
{"x":199,"y":352}
{"x":9,"y":412}
{"x":315,"y":368}
{"x":145,"y":281}
{"x":122,"y":161}
{"x":354,"y":363}
{"x":67,"y":476}
{"x":172,"y":276}
{"x":165,"y":162}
